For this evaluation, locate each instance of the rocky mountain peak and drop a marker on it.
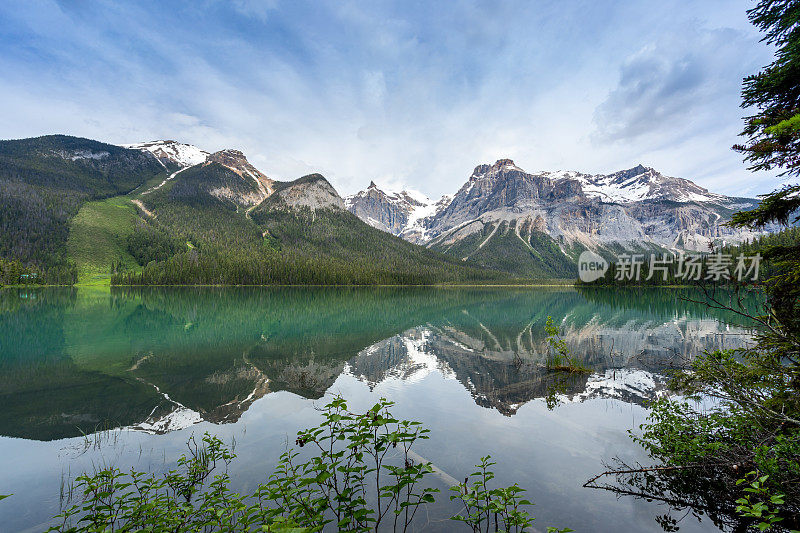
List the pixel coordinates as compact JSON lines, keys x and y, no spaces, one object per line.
{"x":316,"y":176}
{"x":646,"y":173}
{"x":502,"y":169}
{"x":312,"y":192}
{"x":233,"y":159}
{"x":401,"y":213}
{"x":479,"y":171}
{"x":503,"y":163}
{"x":236,"y":161}
{"x":499,"y":166}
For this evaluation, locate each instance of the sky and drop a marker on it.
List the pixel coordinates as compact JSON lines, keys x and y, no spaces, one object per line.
{"x":409,"y":94}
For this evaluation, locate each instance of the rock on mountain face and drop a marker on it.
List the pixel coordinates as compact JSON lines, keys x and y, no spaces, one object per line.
{"x":637,"y":184}
{"x":638,"y":208}
{"x":237,"y":162}
{"x":172,"y":152}
{"x":399,"y":213}
{"x":310,"y":192}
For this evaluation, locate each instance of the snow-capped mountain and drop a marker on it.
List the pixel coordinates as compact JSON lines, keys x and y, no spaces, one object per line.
{"x":629,"y":207}
{"x":181,"y":154}
{"x":635,"y":185}
{"x":399,"y":213}
{"x":505,"y":212}
{"x":528,"y":224}
{"x":240,"y":182}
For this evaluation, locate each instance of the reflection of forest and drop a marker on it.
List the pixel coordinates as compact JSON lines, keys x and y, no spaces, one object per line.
{"x":76,"y":361}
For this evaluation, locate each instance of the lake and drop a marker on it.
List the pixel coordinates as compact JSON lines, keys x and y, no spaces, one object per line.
{"x":123,"y":377}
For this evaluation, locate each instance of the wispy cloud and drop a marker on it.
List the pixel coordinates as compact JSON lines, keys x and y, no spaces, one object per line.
{"x":409,"y":94}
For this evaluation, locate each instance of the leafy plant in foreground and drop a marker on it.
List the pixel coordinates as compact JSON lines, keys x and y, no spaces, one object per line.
{"x":498,"y":509}
{"x":353,"y":472}
{"x":353,"y":454}
{"x":758,"y":503}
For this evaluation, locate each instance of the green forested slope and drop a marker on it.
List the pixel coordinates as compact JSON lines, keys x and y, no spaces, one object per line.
{"x":527,"y":254}
{"x":83,"y":210}
{"x":228,"y":243}
{"x":44,"y":181}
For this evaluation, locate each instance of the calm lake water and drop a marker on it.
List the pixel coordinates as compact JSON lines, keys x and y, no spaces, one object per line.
{"x":139,"y":371}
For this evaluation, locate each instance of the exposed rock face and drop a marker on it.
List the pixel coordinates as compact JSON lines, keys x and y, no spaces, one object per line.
{"x":237,"y":162}
{"x":398,"y":213}
{"x":638,"y":207}
{"x":240,"y":182}
{"x":311,"y":192}
{"x":502,"y":187}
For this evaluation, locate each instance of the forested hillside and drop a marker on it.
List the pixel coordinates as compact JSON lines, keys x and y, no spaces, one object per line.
{"x":528,"y":254}
{"x":207,"y":226}
{"x":44,"y":182}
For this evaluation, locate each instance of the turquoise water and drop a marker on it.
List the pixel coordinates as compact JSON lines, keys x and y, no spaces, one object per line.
{"x":125,"y":377}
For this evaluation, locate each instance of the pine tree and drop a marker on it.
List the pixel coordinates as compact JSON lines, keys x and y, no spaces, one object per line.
{"x":774,"y":132}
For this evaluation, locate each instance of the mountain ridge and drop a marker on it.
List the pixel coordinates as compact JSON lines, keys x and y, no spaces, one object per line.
{"x":190,"y":204}
{"x":530,"y":223}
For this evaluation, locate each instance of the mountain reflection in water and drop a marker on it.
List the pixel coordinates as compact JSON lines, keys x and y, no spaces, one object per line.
{"x":74,"y":361}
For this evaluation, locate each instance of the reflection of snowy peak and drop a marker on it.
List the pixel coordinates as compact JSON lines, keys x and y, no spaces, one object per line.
{"x":626,"y":360}
{"x":178,"y":417}
{"x":403,"y":357}
{"x":245,"y":383}
{"x":627,"y":384}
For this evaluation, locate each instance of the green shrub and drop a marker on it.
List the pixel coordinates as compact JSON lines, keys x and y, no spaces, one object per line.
{"x":360,"y":475}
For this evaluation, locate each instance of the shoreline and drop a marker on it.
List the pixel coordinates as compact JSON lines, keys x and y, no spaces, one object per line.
{"x":547,"y":283}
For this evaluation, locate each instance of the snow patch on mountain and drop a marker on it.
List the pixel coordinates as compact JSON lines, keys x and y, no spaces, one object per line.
{"x":637,"y":184}
{"x":403,"y":213}
{"x":181,"y":154}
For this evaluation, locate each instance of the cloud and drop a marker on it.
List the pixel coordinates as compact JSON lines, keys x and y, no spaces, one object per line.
{"x":653,"y":94}
{"x":676,"y":86}
{"x":408,"y":94}
{"x":259,"y":9}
